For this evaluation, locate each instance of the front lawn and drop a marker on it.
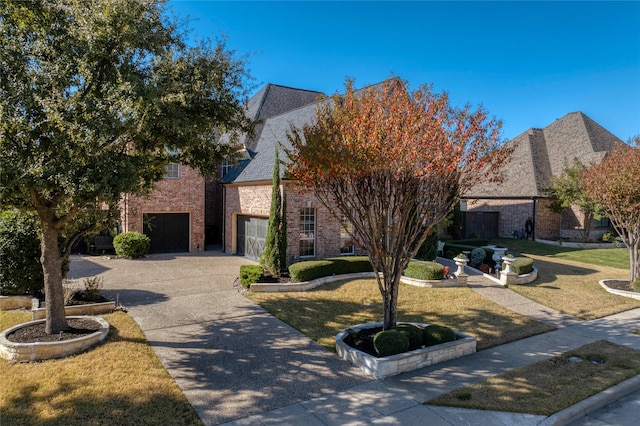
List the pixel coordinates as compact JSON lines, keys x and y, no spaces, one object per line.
{"x":118,"y":382}
{"x":323,"y":312}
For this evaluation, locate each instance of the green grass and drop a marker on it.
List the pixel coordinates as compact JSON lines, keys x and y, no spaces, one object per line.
{"x":548,"y":386}
{"x":568,"y":279}
{"x":118,"y":382}
{"x":325,"y":311}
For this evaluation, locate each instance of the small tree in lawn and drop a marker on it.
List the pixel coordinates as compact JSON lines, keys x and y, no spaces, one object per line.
{"x":615,"y":185}
{"x":96,"y":98}
{"x":274,"y":257}
{"x":568,"y":190}
{"x":394,"y":163}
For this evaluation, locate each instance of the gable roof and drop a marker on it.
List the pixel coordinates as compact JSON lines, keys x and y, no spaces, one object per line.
{"x":542,"y":153}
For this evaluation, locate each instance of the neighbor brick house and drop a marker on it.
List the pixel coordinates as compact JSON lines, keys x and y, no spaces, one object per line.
{"x":172,"y":215}
{"x":502,"y":209}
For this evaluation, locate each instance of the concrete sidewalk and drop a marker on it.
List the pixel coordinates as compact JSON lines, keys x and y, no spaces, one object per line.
{"x":238,"y":365}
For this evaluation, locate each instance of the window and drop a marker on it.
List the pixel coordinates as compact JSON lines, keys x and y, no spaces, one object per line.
{"x":603,"y":222}
{"x":346,"y":240}
{"x":172,"y":171}
{"x":307,"y":232}
{"x":226,"y":167}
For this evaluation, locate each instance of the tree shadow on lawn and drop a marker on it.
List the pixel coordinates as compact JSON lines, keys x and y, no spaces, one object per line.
{"x":548,"y":272}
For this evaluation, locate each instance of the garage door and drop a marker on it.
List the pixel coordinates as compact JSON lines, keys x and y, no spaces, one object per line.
{"x":251,"y":236}
{"x":169,"y":232}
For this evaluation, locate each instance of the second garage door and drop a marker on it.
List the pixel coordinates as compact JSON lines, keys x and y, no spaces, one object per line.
{"x":169,"y":232}
{"x":251,"y":236}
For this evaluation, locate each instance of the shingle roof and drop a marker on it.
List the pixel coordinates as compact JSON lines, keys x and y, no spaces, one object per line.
{"x":542,"y":153}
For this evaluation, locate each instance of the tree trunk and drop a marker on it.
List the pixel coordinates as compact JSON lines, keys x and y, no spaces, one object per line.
{"x":52,"y":268}
{"x":390,"y":302}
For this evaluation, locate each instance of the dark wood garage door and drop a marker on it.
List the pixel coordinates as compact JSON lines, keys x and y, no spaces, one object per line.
{"x":484,"y":224}
{"x":251,"y":236}
{"x":169,"y":232}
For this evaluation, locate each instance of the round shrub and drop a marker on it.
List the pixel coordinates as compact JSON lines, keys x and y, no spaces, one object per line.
{"x":424,"y":271}
{"x":250,"y":274}
{"x":477,"y":255}
{"x":522,"y":265}
{"x":131,"y":244}
{"x":436,"y":334}
{"x":413,"y":332}
{"x":312,"y":269}
{"x":20,"y":267}
{"x":390,"y":342}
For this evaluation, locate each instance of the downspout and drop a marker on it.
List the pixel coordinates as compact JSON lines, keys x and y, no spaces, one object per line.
{"x":224,"y":218}
{"x":533,"y":233}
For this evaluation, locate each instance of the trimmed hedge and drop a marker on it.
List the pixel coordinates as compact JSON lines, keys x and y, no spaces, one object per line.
{"x":131,"y":244}
{"x":390,"y":342}
{"x":424,"y":271}
{"x":522,"y":265}
{"x":312,"y":269}
{"x":250,"y":274}
{"x":454,"y":248}
{"x":436,"y":334}
{"x":413,"y":332}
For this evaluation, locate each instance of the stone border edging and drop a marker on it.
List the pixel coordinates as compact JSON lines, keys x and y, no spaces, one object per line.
{"x":25,"y":352}
{"x":522,"y":279}
{"x":84,"y":309}
{"x":408,"y":361}
{"x":631,"y":294}
{"x":593,"y":403}
{"x":8,"y":303}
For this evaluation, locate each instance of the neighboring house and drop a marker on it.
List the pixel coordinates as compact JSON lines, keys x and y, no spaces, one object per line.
{"x":313,"y":233}
{"x":172,"y":215}
{"x":502,"y":209}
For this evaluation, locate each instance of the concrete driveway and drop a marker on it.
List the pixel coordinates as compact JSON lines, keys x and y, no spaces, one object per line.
{"x":230,"y":357}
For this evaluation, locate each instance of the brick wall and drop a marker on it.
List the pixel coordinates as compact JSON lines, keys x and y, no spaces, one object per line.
{"x":255,"y":200}
{"x":182,"y":195}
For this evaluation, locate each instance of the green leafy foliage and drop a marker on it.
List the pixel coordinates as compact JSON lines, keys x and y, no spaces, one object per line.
{"x":312,"y":269}
{"x":274,"y":257}
{"x":390,"y":342}
{"x":522,"y":265}
{"x":250,"y":274}
{"x":131,"y":244}
{"x":413,"y":332}
{"x":92,"y":287}
{"x":436,"y":334}
{"x":20,"y":268}
{"x":478,"y":255}
{"x":429,"y":249}
{"x":424,"y":271}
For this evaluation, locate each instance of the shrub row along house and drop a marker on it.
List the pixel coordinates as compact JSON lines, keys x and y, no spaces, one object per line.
{"x":187,"y":212}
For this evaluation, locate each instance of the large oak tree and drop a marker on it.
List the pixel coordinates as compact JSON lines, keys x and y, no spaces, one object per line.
{"x":96,"y":97}
{"x":615,"y":185}
{"x":394,"y":163}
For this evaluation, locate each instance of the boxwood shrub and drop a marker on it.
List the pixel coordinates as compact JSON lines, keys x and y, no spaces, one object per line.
{"x":390,"y":342}
{"x":131,"y":244}
{"x":312,"y":269}
{"x":250,"y":274}
{"x":424,"y":271}
{"x":436,"y":334}
{"x":413,"y":332}
{"x":522,"y":265}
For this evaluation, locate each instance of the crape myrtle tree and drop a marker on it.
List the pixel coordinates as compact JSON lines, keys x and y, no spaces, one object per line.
{"x":96,"y":97}
{"x":394,"y":163}
{"x":568,"y":190}
{"x":615,"y":185}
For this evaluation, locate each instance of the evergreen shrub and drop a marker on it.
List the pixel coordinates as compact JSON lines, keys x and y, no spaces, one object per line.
{"x":131,"y":244}
{"x":424,"y":271}
{"x":522,"y":265}
{"x":312,"y":269}
{"x":390,"y":342}
{"x":413,"y":332}
{"x":436,"y":334}
{"x":250,"y":274}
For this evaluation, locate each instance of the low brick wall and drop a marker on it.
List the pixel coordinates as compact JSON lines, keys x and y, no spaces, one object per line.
{"x":408,"y":361}
{"x":86,"y":309}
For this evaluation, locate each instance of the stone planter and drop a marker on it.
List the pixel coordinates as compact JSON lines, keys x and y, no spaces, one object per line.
{"x":408,"y":361}
{"x":25,"y":352}
{"x":84,"y":309}
{"x":631,"y":294}
{"x":8,"y":303}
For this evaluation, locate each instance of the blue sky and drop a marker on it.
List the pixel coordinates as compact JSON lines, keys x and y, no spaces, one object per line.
{"x":528,"y":63}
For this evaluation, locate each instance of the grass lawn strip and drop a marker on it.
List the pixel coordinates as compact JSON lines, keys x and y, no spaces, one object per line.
{"x":323,"y":312}
{"x":548,"y":386}
{"x":118,"y":382}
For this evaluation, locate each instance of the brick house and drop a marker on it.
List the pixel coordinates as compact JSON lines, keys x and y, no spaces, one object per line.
{"x":172,"y":215}
{"x":313,"y":233}
{"x":502,"y":209}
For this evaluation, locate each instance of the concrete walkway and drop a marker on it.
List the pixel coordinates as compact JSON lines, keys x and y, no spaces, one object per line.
{"x":238,"y":364}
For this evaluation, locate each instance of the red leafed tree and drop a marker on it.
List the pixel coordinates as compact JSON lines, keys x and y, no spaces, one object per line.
{"x":615,"y":185}
{"x":394,"y":163}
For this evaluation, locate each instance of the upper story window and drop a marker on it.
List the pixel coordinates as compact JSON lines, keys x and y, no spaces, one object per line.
{"x":307,"y":232}
{"x":226,"y":167}
{"x":172,"y":171}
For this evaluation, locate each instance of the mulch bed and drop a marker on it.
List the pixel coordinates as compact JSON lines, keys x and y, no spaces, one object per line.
{"x":619,"y":285}
{"x":78,"y":327}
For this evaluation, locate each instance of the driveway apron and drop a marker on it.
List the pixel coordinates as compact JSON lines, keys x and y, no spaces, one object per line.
{"x":229,"y":356}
